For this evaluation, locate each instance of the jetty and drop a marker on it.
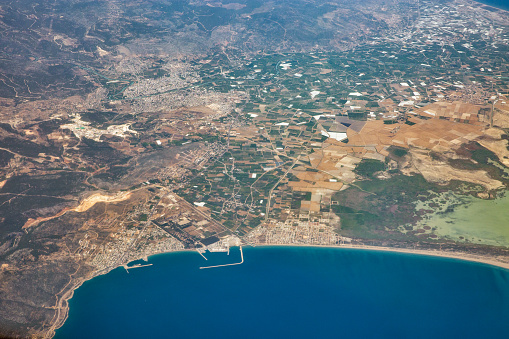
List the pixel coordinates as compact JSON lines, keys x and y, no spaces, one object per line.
{"x":127,"y":268}
{"x":201,"y":253}
{"x":237,"y":263}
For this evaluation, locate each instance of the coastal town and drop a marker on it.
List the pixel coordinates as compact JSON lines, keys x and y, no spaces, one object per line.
{"x":212,"y":126}
{"x":271,"y":168}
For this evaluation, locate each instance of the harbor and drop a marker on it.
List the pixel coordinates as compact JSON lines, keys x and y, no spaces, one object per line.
{"x":127,"y":268}
{"x":238,"y":263}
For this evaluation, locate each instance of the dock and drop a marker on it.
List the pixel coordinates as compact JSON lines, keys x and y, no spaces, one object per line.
{"x":127,"y":268}
{"x":237,"y":263}
{"x":201,"y":254}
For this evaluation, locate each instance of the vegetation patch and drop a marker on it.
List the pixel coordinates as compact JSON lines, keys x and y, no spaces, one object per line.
{"x":375,"y":208}
{"x":368,"y":167}
{"x":398,"y":151}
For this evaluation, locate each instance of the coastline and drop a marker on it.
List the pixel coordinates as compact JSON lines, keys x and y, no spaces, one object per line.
{"x":481,"y":259}
{"x":479,"y":3}
{"x":95,"y":241}
{"x":62,"y":308}
{"x":63,"y":302}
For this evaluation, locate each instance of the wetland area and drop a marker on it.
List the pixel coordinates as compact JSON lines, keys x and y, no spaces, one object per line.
{"x":134,"y":128}
{"x":469,"y":219}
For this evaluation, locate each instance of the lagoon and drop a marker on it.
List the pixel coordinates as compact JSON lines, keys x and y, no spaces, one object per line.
{"x":469,"y":219}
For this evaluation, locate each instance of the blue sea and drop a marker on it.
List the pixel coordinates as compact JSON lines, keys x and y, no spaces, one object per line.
{"x":503,"y":4}
{"x":294,"y":292}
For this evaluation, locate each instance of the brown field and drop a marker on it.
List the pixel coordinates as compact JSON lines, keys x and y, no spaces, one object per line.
{"x":455,"y":111}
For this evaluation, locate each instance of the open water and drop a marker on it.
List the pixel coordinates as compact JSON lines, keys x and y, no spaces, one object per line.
{"x":503,"y":4}
{"x":294,"y":292}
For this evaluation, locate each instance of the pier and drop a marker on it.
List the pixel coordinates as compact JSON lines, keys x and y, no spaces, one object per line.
{"x":127,"y":268}
{"x":201,"y":254}
{"x":237,"y":263}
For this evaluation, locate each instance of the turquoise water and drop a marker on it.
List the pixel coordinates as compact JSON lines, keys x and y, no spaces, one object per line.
{"x":290,"y":292}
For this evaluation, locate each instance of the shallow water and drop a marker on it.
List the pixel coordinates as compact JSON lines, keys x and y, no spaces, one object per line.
{"x":475,"y":220}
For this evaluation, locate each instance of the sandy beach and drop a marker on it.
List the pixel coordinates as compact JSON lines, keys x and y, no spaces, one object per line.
{"x":445,"y":254}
